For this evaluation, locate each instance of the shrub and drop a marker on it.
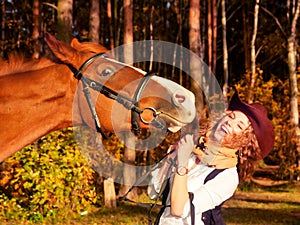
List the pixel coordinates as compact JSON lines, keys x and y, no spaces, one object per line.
{"x":46,"y":178}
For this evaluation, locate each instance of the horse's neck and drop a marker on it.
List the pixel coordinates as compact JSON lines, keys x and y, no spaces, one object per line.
{"x":33,"y":104}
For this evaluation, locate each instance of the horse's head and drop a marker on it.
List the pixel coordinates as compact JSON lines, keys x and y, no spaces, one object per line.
{"x":125,"y":89}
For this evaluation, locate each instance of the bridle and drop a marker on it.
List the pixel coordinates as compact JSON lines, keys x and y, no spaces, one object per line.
{"x":129,"y":103}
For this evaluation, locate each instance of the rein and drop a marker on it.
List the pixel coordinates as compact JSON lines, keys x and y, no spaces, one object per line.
{"x":163,"y":190}
{"x":128,"y":103}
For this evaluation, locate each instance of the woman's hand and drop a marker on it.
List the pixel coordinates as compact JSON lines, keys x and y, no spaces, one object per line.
{"x":184,"y":149}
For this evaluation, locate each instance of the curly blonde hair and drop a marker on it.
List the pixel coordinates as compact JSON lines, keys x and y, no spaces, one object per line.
{"x":249,"y":156}
{"x":248,"y":152}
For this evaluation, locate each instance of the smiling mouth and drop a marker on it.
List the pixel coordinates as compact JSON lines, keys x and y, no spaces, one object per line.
{"x":224,"y":129}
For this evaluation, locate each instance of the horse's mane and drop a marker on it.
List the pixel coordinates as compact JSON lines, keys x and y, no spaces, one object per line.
{"x":18,"y":63}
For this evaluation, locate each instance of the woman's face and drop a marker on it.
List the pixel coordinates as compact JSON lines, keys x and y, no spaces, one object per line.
{"x":234,"y":123}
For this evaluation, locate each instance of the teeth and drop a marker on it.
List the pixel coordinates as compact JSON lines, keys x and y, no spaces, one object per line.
{"x":224,"y":129}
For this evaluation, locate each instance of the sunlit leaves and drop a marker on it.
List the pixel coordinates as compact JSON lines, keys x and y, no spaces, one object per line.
{"x":45,"y":177}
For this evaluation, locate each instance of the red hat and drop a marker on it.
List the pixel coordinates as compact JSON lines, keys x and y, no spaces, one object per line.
{"x":262,"y":126}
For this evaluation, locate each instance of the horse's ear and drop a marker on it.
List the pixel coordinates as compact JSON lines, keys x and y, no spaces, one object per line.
{"x":61,"y":50}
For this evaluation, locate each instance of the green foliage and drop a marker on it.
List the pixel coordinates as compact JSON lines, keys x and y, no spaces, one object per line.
{"x":274,"y":95}
{"x":45,"y":178}
{"x":50,"y":178}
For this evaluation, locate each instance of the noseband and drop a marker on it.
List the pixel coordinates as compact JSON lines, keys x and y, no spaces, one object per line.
{"x":130,"y":104}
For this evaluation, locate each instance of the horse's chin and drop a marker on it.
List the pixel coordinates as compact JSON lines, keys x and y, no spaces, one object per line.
{"x":174,"y":129}
{"x":175,"y":126}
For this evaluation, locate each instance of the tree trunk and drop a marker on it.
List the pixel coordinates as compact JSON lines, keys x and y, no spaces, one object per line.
{"x":128,"y":31}
{"x":111,"y":31}
{"x":253,"y":53}
{"x":177,"y":49}
{"x":64,"y":20}
{"x":292,"y":64}
{"x":225,"y":51}
{"x":36,"y":29}
{"x":109,"y":193}
{"x":194,"y":32}
{"x":94,"y":21}
{"x":195,"y":46}
{"x":214,"y":35}
{"x":129,"y":170}
{"x":117,"y":17}
{"x":209,"y":35}
{"x":211,"y":40}
{"x":246,"y":35}
{"x":151,"y":39}
{"x":103,"y":167}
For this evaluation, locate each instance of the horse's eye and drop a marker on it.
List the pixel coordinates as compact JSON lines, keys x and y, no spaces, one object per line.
{"x":106,"y":72}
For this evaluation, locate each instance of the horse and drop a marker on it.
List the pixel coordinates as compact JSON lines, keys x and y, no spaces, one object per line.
{"x":44,"y":95}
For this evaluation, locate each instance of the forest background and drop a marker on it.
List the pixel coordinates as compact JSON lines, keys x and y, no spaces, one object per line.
{"x":249,"y":44}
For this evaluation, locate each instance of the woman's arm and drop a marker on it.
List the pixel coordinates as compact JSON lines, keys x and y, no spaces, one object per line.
{"x":179,"y":190}
{"x":179,"y":194}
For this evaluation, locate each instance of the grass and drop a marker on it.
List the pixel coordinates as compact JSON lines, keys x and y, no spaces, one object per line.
{"x":259,"y":205}
{"x":278,"y":205}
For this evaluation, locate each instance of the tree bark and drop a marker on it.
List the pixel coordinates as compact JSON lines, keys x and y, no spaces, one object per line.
{"x":292,"y":64}
{"x":129,"y":170}
{"x":36,"y":29}
{"x":94,"y":21}
{"x":64,"y":20}
{"x":209,"y":35}
{"x":151,"y":38}
{"x":246,"y":36}
{"x":108,"y":184}
{"x":128,"y":31}
{"x":109,"y":193}
{"x":253,"y":53}
{"x":111,"y":31}
{"x":196,"y":70}
{"x":214,"y":35}
{"x":211,"y":40}
{"x":225,"y":51}
{"x":194,"y":32}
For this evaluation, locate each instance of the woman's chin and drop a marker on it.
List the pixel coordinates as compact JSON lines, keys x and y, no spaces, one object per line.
{"x":218,"y":136}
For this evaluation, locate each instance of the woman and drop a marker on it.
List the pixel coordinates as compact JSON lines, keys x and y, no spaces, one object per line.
{"x":205,"y":176}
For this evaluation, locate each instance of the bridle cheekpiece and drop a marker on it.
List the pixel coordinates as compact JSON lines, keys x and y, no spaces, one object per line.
{"x":130,"y":104}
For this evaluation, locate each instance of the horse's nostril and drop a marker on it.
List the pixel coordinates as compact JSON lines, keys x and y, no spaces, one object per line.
{"x":179,"y":97}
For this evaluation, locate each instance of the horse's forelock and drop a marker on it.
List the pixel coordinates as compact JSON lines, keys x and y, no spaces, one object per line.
{"x":88,"y":46}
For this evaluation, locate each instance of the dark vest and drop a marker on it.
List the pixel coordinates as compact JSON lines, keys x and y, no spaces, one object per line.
{"x":213,"y":216}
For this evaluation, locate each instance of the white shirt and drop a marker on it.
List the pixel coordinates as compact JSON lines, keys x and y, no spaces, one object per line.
{"x":206,"y":196}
